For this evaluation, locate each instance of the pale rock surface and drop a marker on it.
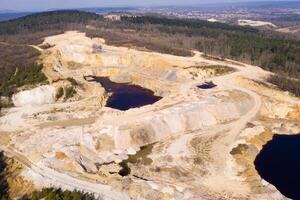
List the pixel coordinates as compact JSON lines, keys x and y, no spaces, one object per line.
{"x":37,"y":96}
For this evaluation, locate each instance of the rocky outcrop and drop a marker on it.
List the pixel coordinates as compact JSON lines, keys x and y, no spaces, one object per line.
{"x":37,"y":96}
{"x":109,"y":140}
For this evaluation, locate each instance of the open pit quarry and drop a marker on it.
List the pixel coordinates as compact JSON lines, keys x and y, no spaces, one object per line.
{"x":191,"y":143}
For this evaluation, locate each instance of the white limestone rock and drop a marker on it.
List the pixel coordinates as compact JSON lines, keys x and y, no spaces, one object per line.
{"x":37,"y":96}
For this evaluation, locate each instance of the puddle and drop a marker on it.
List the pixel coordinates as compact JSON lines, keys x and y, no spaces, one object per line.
{"x":125,"y":95}
{"x":279,"y":164}
{"x":207,"y":85}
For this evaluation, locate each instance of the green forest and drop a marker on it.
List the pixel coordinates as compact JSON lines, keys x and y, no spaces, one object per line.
{"x":270,"y":51}
{"x":28,"y":75}
{"x":58,"y":194}
{"x":46,"y":20}
{"x":4,"y":194}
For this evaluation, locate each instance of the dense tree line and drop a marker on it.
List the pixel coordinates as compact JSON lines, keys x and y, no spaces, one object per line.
{"x":273,"y":51}
{"x":189,"y":23}
{"x":15,"y":56}
{"x":4,"y":193}
{"x":287,"y":84}
{"x":18,"y":66}
{"x":46,"y":20}
{"x":28,"y":75}
{"x":276,"y":55}
{"x":58,"y":194}
{"x":270,"y":51}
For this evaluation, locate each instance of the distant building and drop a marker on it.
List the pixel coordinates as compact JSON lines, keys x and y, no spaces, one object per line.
{"x":113,"y":17}
{"x":245,"y":22}
{"x":212,"y":20}
{"x":117,"y":16}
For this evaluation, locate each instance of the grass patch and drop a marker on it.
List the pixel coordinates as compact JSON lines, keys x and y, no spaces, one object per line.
{"x":141,"y":157}
{"x":211,"y":57}
{"x":72,"y":81}
{"x":239,"y":149}
{"x":70,"y":92}
{"x":218,"y":69}
{"x":74,"y":65}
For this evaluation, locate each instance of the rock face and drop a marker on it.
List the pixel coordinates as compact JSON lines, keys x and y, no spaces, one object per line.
{"x":107,"y":136}
{"x":38,"y":96}
{"x":76,"y":58}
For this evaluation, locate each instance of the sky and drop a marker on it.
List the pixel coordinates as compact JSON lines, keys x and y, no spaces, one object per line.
{"x":39,"y":5}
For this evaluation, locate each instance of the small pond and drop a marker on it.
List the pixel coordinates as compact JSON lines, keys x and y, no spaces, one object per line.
{"x":279,"y":164}
{"x":207,"y":85}
{"x":125,"y":95}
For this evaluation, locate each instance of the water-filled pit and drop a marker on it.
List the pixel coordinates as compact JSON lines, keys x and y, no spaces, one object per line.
{"x":207,"y":85}
{"x":125,"y":95}
{"x":279,"y":164}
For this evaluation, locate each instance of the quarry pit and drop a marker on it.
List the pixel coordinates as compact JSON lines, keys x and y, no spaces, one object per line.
{"x":173,"y":139}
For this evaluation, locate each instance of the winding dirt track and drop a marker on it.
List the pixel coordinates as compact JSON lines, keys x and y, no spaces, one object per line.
{"x":230,"y":131}
{"x":237,"y":126}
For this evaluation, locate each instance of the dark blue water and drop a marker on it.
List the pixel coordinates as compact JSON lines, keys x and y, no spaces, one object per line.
{"x":207,"y":85}
{"x":125,"y":95}
{"x":279,"y":164}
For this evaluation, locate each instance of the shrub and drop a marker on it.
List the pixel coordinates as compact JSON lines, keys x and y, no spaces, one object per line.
{"x":69,"y":92}
{"x":59,"y":93}
{"x":72,"y":81}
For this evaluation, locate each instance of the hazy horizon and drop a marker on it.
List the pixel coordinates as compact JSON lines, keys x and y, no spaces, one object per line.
{"x":38,"y":5}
